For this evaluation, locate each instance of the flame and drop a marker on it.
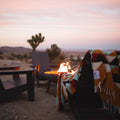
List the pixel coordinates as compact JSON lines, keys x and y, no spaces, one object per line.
{"x":66,"y":68}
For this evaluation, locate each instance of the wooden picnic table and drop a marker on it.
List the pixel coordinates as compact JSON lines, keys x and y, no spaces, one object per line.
{"x":11,"y":67}
{"x":16,"y":85}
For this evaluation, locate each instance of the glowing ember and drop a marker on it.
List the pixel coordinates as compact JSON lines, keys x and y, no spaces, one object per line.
{"x":66,"y":68}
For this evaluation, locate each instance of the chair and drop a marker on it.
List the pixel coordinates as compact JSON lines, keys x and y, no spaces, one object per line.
{"x":40,"y":61}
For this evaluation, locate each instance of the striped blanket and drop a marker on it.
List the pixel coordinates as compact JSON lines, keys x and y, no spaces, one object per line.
{"x":106,"y":74}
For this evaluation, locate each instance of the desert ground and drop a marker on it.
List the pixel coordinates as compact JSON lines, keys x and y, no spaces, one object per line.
{"x":43,"y":108}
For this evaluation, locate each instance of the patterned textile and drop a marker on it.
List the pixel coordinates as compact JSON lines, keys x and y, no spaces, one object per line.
{"x":66,"y":84}
{"x":106,"y":73}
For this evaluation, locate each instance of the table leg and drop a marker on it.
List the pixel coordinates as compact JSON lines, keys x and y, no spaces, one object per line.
{"x":16,"y":75}
{"x":30,"y":82}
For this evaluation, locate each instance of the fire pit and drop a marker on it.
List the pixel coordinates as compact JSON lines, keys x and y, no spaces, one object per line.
{"x":52,"y":76}
{"x":65,"y":68}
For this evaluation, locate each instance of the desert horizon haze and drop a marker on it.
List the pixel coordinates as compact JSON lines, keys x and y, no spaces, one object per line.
{"x":76,"y":24}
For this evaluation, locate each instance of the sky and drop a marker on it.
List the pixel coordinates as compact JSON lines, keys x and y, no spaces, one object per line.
{"x":71,"y":24}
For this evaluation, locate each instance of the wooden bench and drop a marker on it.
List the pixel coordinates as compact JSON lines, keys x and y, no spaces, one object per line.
{"x":14,"y":86}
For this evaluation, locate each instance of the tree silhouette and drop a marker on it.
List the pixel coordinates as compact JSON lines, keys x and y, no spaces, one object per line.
{"x":54,"y":51}
{"x":55,"y":54}
{"x":36,"y":40}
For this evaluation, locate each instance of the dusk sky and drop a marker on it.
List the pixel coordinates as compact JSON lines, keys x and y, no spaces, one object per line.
{"x":77,"y":24}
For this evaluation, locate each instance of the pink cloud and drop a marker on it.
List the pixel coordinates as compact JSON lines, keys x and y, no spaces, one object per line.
{"x":44,"y":4}
{"x":90,"y":20}
{"x":59,"y":9}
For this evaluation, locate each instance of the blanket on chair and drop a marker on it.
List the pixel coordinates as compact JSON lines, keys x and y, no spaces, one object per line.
{"x":106,"y":74}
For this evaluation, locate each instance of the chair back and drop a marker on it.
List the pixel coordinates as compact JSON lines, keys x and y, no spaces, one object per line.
{"x":42,"y":60}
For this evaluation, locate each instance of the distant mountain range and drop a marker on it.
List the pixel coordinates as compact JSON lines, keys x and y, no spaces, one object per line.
{"x":16,"y":50}
{"x":6,"y":50}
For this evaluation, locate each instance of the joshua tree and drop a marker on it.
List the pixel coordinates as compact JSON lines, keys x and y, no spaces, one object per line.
{"x":35,"y":41}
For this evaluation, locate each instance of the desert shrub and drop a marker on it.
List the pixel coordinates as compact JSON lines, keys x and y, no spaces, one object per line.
{"x":75,"y":60}
{"x":55,"y":54}
{"x":19,"y":56}
{"x":71,"y":58}
{"x":11,"y":57}
{"x":1,"y":55}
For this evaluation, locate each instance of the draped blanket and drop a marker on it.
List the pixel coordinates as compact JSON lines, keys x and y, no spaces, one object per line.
{"x":106,"y":73}
{"x":66,"y":84}
{"x":106,"y":67}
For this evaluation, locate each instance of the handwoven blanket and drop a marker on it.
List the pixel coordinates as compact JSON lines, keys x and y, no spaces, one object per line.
{"x":106,"y":72}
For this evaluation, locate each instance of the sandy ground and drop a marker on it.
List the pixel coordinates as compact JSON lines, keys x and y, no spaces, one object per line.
{"x":43,"y":108}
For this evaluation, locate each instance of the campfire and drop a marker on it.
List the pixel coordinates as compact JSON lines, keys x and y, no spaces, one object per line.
{"x":65,"y":68}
